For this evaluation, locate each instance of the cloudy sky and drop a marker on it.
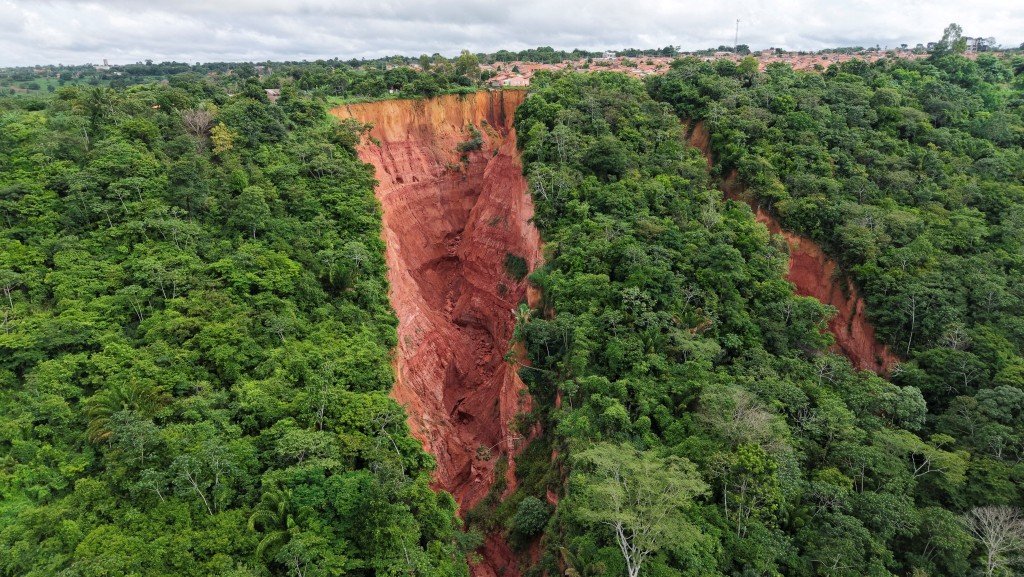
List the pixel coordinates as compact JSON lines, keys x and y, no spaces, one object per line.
{"x":127,"y":31}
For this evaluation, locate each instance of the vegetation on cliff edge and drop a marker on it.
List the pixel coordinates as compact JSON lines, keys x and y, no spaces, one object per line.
{"x":195,"y":345}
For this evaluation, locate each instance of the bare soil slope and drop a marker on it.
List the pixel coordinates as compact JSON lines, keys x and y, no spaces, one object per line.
{"x":450,"y":221}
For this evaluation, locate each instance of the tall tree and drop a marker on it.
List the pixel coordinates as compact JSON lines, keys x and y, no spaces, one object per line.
{"x":1000,"y":529}
{"x":467,"y":64}
{"x":952,"y":42}
{"x":640,"y":496}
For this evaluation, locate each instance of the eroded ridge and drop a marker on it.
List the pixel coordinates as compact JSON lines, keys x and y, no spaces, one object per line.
{"x":814,"y":275}
{"x":451,"y":219}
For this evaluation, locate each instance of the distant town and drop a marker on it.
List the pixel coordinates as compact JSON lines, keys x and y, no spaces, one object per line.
{"x":502,"y":69}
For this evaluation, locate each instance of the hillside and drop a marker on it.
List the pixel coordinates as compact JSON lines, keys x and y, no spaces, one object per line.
{"x":195,"y":354}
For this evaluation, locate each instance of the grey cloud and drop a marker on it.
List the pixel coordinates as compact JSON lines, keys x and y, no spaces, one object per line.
{"x":78,"y":31}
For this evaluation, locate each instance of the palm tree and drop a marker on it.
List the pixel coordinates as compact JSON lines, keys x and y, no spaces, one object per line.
{"x":522,"y":314}
{"x":142,"y":397}
{"x":277,"y":518}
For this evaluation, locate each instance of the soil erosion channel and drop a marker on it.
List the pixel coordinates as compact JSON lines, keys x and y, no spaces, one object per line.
{"x":814,"y":275}
{"x":451,"y":219}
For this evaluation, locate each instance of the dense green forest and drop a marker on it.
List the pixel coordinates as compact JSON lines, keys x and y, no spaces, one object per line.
{"x":909,"y":173}
{"x":669,"y":341}
{"x":195,"y":337}
{"x":195,"y":345}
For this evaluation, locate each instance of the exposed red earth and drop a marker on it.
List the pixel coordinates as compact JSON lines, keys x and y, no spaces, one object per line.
{"x":450,"y":220}
{"x":814,"y":275}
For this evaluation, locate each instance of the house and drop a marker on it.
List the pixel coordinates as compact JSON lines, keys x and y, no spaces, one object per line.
{"x":509,"y":81}
{"x":273,"y":94}
{"x":516,"y":81}
{"x":979,"y":44}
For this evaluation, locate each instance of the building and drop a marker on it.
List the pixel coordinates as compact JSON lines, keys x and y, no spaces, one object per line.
{"x":516,"y":81}
{"x":979,"y":44}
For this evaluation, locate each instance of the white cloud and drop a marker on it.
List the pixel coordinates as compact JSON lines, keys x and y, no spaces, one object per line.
{"x":124,"y":31}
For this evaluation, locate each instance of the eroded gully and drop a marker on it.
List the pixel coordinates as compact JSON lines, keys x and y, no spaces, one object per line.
{"x":814,"y":274}
{"x":450,"y":221}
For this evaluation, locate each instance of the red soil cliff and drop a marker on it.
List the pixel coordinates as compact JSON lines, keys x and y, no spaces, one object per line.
{"x":815,"y":275}
{"x":450,"y":220}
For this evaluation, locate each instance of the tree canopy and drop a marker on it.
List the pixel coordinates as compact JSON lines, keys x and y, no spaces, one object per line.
{"x":195,"y":345}
{"x":668,"y":330}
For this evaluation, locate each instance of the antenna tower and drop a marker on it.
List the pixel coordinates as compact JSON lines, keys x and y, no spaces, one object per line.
{"x":736,"y":42}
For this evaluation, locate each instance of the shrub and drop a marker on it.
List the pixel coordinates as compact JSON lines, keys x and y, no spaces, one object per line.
{"x":530,"y":518}
{"x":516,"y":267}
{"x":475,"y":142}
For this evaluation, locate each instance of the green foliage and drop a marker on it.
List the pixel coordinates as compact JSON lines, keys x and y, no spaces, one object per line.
{"x":906,"y":173}
{"x":195,"y":338}
{"x":475,"y":141}
{"x":673,"y":330}
{"x":530,"y":518}
{"x":195,"y":346}
{"x":516,"y":266}
{"x":641,"y":497}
